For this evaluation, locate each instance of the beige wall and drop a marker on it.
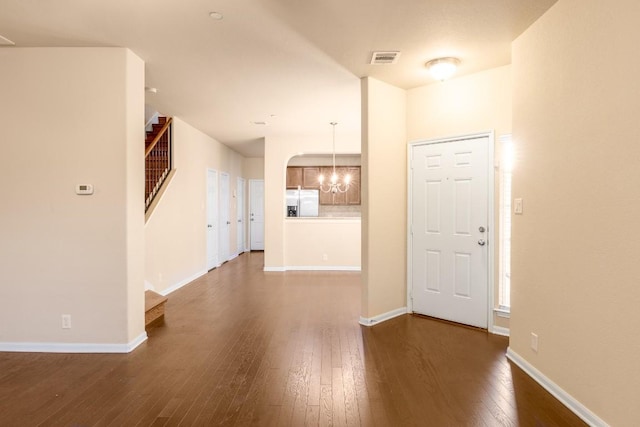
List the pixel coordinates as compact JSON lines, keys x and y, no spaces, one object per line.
{"x":253,"y":168}
{"x":384,"y":200}
{"x":175,"y":234}
{"x":278,"y":151}
{"x":322,"y":243}
{"x":575,"y":267}
{"x":71,"y":116}
{"x":470,"y":104}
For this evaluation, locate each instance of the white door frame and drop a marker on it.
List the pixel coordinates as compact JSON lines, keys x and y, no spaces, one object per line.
{"x":241,"y":199}
{"x":492,"y":235}
{"x":212,"y":210}
{"x":224,"y":200}
{"x":250,"y":202}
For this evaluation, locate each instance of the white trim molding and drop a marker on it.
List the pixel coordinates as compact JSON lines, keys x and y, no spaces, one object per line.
{"x":35,"y":347}
{"x":499,"y":330}
{"x":314,"y":268}
{"x":502,"y":312}
{"x":182,"y":283}
{"x":565,"y":398}
{"x":370,"y":321}
{"x":322,"y":268}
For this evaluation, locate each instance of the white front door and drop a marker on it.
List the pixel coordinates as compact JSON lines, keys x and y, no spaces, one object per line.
{"x":212,"y":219}
{"x":449,"y":230}
{"x":256,"y":214}
{"x":225,"y":222}
{"x":240,"y":215}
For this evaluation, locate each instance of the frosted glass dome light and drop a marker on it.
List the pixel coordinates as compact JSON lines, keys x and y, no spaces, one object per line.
{"x":442,"y":68}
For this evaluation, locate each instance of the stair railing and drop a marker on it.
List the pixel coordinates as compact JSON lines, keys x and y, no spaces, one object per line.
{"x":158,"y":163}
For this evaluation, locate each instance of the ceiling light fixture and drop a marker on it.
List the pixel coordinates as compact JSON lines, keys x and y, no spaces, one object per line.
{"x":333,"y":186}
{"x":216,"y":15}
{"x":442,"y":68}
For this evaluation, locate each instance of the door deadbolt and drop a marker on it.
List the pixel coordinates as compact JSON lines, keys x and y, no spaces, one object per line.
{"x":481,"y":229}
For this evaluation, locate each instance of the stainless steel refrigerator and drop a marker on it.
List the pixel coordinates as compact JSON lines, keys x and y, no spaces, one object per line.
{"x":302,"y":203}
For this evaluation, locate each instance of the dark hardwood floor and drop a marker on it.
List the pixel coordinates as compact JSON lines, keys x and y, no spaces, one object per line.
{"x":244,"y":347}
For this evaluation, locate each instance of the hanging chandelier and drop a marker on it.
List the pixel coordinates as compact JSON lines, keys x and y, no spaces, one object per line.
{"x":333,"y":185}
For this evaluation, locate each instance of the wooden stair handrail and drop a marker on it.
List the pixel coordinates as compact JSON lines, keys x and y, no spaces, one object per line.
{"x":158,"y":136}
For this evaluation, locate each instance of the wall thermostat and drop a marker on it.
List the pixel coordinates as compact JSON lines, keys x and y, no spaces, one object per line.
{"x":84,"y":189}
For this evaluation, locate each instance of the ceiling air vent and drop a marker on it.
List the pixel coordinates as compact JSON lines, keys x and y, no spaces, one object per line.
{"x":384,"y":57}
{"x":6,"y":42}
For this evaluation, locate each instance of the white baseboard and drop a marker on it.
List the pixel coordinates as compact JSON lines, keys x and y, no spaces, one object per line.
{"x":322,"y":268}
{"x":313,"y":268}
{"x":565,"y":398}
{"x":180,"y":284}
{"x":34,"y":347}
{"x":234,"y":256}
{"x":370,"y":321}
{"x":499,"y":330}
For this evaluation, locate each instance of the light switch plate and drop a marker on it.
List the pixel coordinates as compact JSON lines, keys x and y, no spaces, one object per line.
{"x":517,"y":206}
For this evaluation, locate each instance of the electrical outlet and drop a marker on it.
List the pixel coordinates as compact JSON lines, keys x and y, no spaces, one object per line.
{"x":66,"y":321}
{"x":534,"y":342}
{"x":325,"y":257}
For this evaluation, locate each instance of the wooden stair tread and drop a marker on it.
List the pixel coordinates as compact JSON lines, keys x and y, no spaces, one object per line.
{"x":153,"y":307}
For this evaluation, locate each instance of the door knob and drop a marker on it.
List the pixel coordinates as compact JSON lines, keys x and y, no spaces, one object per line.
{"x":239,"y":220}
{"x":228,"y":222}
{"x":209,"y":226}
{"x":481,"y":242}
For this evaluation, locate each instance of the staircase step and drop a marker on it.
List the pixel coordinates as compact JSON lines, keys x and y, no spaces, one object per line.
{"x":153,"y":308}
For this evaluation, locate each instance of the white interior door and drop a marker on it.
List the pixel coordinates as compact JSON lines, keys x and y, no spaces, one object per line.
{"x":212,"y":219}
{"x":449,"y":241}
{"x":225,"y":221}
{"x":256,"y":214}
{"x":240,"y":215}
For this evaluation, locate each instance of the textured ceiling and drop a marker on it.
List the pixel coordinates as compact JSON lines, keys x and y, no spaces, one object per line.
{"x":294,"y":64}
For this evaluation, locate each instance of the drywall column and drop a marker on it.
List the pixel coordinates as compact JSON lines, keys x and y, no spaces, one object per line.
{"x":384,"y":199}
{"x":575,"y":275}
{"x":135,"y":176}
{"x":71,"y":116}
{"x":275,"y":164}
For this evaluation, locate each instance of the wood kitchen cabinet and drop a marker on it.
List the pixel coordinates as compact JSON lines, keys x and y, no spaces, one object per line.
{"x":303,"y":177}
{"x":353,"y":193}
{"x":310,"y":177}
{"x":294,"y":177}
